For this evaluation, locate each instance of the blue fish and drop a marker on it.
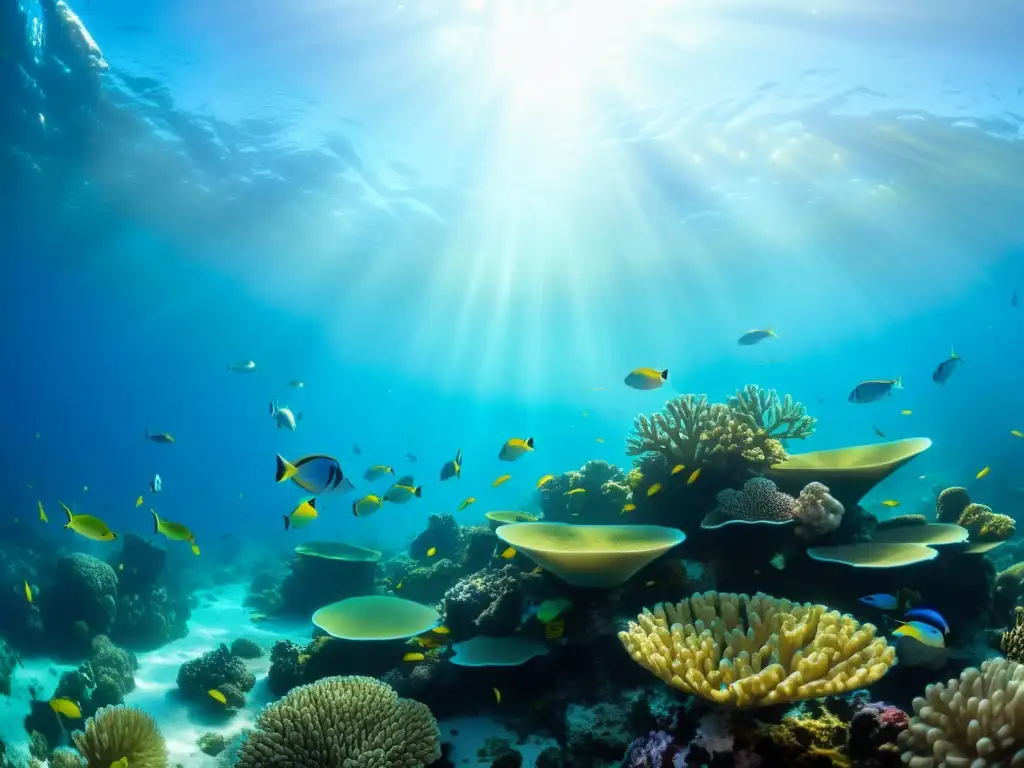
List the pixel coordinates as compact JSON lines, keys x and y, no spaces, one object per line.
{"x":928,"y":616}
{"x":946,"y":368}
{"x":750,"y":338}
{"x":882,"y":602}
{"x":923,"y":633}
{"x":452,"y":468}
{"x":314,"y":474}
{"x":872,"y":391}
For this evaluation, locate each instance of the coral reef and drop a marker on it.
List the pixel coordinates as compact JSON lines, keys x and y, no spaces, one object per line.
{"x":1012,"y":641}
{"x":150,"y":613}
{"x":783,"y":419}
{"x":211,"y":744}
{"x":357,"y":720}
{"x":315,"y":581}
{"x":292,"y":665}
{"x":441,"y":535}
{"x":8,"y":661}
{"x":121,"y":732}
{"x":244,"y":648}
{"x":489,"y":601}
{"x":986,"y":525}
{"x":816,"y":512}
{"x":759,"y":501}
{"x":264,"y":594}
{"x":655,"y":750}
{"x":103,"y":680}
{"x":783,"y":652}
{"x":81,"y":603}
{"x":606,"y":490}
{"x":951,"y":504}
{"x":974,"y":720}
{"x":215,"y":669}
{"x":428,"y":583}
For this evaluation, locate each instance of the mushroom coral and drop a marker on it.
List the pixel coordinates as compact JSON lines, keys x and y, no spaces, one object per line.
{"x":756,"y":651}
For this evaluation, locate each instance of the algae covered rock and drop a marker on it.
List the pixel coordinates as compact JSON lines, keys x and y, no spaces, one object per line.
{"x":215,"y":669}
{"x":212,"y":744}
{"x":244,"y":648}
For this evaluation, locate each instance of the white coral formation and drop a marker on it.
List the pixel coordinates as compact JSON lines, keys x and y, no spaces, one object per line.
{"x":781,"y":652}
{"x":816,"y":512}
{"x":342,"y":721}
{"x":974,"y":721}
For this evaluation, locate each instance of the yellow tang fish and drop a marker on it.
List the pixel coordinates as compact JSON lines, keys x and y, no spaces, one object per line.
{"x":87,"y":525}
{"x":693,"y":476}
{"x":678,"y":468}
{"x":515,"y":448}
{"x":598,"y":439}
{"x":42,"y":513}
{"x":432,"y":551}
{"x":509,"y":553}
{"x":497,"y":696}
{"x":500,"y":480}
{"x":217,"y":696}
{"x":413,"y":657}
{"x":28,"y":592}
{"x":650,"y":583}
{"x":890,"y":503}
{"x":646,"y":378}
{"x":466,"y":503}
{"x":377,"y":471}
{"x":139,"y":502}
{"x":442,"y":630}
{"x":403,"y":490}
{"x":575,"y":491}
{"x":906,"y":412}
{"x":122,"y":763}
{"x":1016,"y":433}
{"x":66,"y":707}
{"x":544,"y":481}
{"x":366,"y":505}
{"x":399,"y":585}
{"x":982,"y":473}
{"x":173,"y":531}
{"x":302,"y":515}
{"x":654,"y":489}
{"x":631,"y":507}
{"x":554,"y":629}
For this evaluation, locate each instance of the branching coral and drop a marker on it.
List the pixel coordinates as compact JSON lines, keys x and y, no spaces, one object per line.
{"x":781,"y":652}
{"x":975,"y":720}
{"x":986,"y":525}
{"x":693,"y":432}
{"x":817,"y":512}
{"x":342,"y":721}
{"x":784,"y":419}
{"x":116,"y":732}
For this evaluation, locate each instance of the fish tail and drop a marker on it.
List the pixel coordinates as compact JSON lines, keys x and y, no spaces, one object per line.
{"x":67,"y":512}
{"x":156,"y":521}
{"x":772,"y":333}
{"x":953,"y":354}
{"x":285,"y":470}
{"x":287,"y":522}
{"x":529,"y":440}
{"x":419,"y":491}
{"x":312,"y":502}
{"x":271,"y":407}
{"x":898,"y":384}
{"x":664,"y":375}
{"x":354,"y":505}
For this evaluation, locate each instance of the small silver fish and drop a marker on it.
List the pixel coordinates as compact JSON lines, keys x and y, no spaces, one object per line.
{"x":284,"y":417}
{"x":156,"y":484}
{"x":245,"y":366}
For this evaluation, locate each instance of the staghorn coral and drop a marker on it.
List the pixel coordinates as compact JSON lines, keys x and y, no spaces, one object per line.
{"x":693,"y":432}
{"x":782,"y":652}
{"x":784,"y":419}
{"x":760,"y":501}
{"x":975,"y":720}
{"x":817,"y":512}
{"x":1012,"y":641}
{"x":986,"y":525}
{"x":116,"y":732}
{"x":342,"y":721}
{"x":951,"y":504}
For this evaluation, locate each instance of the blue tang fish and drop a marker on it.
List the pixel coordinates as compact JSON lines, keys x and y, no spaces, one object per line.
{"x":314,"y":474}
{"x":925,"y":634}
{"x":873,"y":391}
{"x":946,"y":368}
{"x":880,"y":601}
{"x":928,"y":616}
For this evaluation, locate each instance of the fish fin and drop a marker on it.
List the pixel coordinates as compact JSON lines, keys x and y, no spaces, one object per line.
{"x":271,"y":407}
{"x":285,"y":469}
{"x":287,"y":522}
{"x":664,"y":375}
{"x":312,"y":502}
{"x":156,"y":521}
{"x":772,"y":333}
{"x":418,"y":491}
{"x":67,"y":512}
{"x":458,"y":457}
{"x":405,"y":480}
{"x":354,"y":513}
{"x":529,"y":440}
{"x":897,"y":384}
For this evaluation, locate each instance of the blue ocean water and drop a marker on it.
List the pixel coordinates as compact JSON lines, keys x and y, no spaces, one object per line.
{"x":462,"y":222}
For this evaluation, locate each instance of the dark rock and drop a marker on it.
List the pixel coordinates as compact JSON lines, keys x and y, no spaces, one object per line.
{"x":244,"y":648}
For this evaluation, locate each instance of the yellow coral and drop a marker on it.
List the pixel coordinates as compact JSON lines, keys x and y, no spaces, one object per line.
{"x":822,"y":737}
{"x":782,"y":652}
{"x":951,"y":504}
{"x":986,"y":525}
{"x":116,"y":732}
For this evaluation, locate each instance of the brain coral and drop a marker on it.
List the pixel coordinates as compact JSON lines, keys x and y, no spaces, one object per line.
{"x":343,"y":722}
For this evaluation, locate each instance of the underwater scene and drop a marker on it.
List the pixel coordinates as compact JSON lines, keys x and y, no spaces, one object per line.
{"x":512,"y":383}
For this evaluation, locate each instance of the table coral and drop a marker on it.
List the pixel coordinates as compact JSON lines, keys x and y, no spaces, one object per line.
{"x":756,"y":651}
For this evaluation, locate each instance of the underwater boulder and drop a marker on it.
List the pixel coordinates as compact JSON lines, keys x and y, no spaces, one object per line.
{"x":327,"y":571}
{"x":441,"y":535}
{"x":83,"y":592}
{"x":215,"y":669}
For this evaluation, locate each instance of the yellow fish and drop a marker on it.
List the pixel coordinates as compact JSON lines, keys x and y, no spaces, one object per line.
{"x":890,"y":503}
{"x":544,"y":481}
{"x":538,"y":569}
{"x":554,"y":629}
{"x":575,"y":491}
{"x":678,"y":468}
{"x":497,"y":696}
{"x":195,"y":549}
{"x":598,"y":439}
{"x":1016,"y":433}
{"x":442,"y":630}
{"x":515,"y":448}
{"x":432,"y":551}
{"x":466,"y":503}
{"x":906,"y":412}
{"x":173,"y":531}
{"x":509,"y":553}
{"x":302,"y":515}
{"x":42,"y":513}
{"x":138,"y":502}
{"x":403,"y":491}
{"x":631,"y":507}
{"x":693,"y":476}
{"x":28,"y":592}
{"x":650,"y":583}
{"x":654,"y":489}
{"x":122,"y":763}
{"x":377,"y":471}
{"x":500,"y":480}
{"x":399,"y":585}
{"x":982,"y":473}
{"x":413,"y":657}
{"x":87,"y":525}
{"x":66,"y":707}
{"x":366,"y":505}
{"x":217,"y":696}
{"x":646,"y":378}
